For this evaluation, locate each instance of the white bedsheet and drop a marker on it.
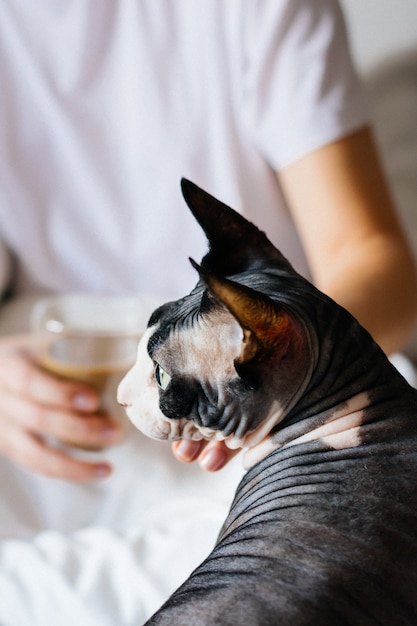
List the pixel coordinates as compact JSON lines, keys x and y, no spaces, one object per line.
{"x":107,"y":553}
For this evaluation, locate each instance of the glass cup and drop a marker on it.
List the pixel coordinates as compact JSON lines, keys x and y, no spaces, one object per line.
{"x":91,"y":339}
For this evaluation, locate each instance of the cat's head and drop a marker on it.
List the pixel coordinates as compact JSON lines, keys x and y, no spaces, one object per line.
{"x":230,"y":359}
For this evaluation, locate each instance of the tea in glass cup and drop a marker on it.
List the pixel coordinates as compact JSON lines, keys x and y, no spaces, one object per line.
{"x":90,"y":338}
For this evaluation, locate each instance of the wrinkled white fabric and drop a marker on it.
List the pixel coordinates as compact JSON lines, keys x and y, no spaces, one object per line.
{"x":111,"y":551}
{"x":94,"y":577}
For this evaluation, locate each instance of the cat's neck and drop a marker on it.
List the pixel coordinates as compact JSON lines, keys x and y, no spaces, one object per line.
{"x":336,"y":403}
{"x":337,"y":428}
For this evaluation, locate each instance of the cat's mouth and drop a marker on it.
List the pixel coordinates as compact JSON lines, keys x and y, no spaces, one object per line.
{"x":163,"y":428}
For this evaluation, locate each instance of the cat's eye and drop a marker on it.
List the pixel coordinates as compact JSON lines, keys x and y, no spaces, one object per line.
{"x":162,"y":377}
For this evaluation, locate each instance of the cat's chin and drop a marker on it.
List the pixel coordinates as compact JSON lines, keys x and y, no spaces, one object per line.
{"x":152,"y":429}
{"x":164,"y":429}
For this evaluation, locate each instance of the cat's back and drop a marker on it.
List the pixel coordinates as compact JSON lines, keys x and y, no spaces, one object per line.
{"x":314,"y":536}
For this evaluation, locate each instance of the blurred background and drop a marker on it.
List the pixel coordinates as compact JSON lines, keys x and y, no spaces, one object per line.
{"x":380,"y":29}
{"x":383,"y":34}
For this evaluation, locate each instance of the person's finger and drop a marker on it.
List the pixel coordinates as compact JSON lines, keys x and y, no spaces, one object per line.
{"x":95,"y":430}
{"x":215,"y":456}
{"x":36,"y":455}
{"x":187,"y":450}
{"x":212,"y":456}
{"x":21,"y":375}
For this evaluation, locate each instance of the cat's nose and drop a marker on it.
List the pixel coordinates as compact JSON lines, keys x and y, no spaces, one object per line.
{"x":126,"y":391}
{"x":122,"y":394}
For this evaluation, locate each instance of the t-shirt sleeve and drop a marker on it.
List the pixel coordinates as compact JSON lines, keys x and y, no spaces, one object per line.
{"x":301,"y":88}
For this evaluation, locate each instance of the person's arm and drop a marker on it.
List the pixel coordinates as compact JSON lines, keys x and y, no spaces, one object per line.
{"x":352,"y":237}
{"x":355,"y":246}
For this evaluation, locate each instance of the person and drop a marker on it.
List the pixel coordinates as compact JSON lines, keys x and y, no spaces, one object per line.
{"x":105,"y":106}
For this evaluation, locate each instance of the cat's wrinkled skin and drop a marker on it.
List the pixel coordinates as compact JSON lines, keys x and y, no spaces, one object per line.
{"x":323,"y":527}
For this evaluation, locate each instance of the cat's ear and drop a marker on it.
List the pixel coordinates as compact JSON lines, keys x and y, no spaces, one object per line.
{"x":268,"y":330}
{"x":235,"y":243}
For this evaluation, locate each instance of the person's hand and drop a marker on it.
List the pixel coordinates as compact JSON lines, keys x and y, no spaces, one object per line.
{"x":37,"y":410}
{"x":212,"y":456}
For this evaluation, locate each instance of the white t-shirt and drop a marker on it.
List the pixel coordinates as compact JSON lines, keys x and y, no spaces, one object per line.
{"x":104,"y":106}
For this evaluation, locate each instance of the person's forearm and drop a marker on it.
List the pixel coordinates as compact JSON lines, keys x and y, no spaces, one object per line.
{"x":352,"y":236}
{"x":378,"y":285}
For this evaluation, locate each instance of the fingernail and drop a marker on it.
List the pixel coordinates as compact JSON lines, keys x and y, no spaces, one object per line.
{"x":102,"y":471}
{"x":188,"y":450}
{"x":213,"y":460}
{"x":84,"y":402}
